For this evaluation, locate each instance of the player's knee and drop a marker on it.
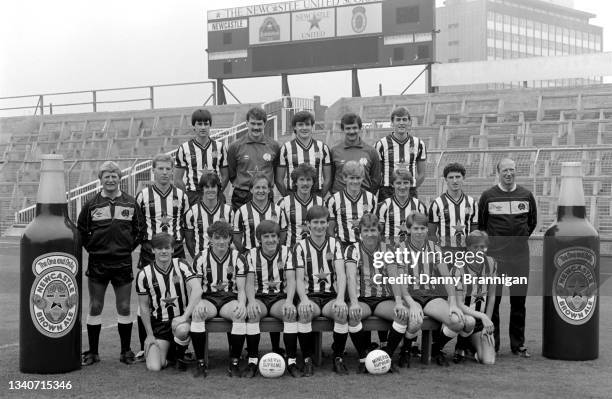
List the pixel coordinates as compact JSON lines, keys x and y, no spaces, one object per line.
{"x":414,"y":326}
{"x":469,"y":323}
{"x":123,"y":308}
{"x":455,"y":323}
{"x":153,"y":358}
{"x":96,"y":307}
{"x":181,"y":331}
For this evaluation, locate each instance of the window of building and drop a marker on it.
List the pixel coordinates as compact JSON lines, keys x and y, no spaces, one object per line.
{"x":398,"y":54}
{"x":490,"y":33}
{"x":491,"y":51}
{"x":405,"y":15}
{"x":530,"y":24}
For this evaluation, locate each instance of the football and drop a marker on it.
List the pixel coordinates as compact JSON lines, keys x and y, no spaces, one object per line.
{"x":378,"y":362}
{"x":271,"y":365}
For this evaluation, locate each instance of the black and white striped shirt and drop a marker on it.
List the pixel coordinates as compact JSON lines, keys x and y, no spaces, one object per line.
{"x":476,"y":294}
{"x":393,"y":215}
{"x":269,"y":271}
{"x":366,"y":287}
{"x":347,"y":212}
{"x":163,"y":212}
{"x":455,"y":219}
{"x":318,"y":263}
{"x":195,"y":159}
{"x":248,"y":217}
{"x":199,"y":218}
{"x":293,"y":153}
{"x":219,"y":274}
{"x":395,"y":154}
{"x":294,"y":211}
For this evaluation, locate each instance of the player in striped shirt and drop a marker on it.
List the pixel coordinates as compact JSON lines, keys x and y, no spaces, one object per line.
{"x":369,"y":294}
{"x":295,"y":205}
{"x":204,"y":213}
{"x":393,"y":211}
{"x":303,"y":149}
{"x":272,"y":293}
{"x":168,"y":291}
{"x":477,"y":301}
{"x":223,"y":281}
{"x":199,"y":154}
{"x":346,"y":207}
{"x":436,"y":301}
{"x":259,"y":208}
{"x":453,"y":215}
{"x":321,"y":287}
{"x":401,"y":150}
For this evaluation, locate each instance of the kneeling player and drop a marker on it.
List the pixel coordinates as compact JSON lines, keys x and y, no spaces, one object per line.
{"x":429,"y":296}
{"x":476,"y":300}
{"x":223,"y":273}
{"x":270,"y":290}
{"x":168,"y":291}
{"x":369,"y":294}
{"x":321,"y":286}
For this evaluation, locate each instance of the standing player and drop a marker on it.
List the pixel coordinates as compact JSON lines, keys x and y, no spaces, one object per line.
{"x":401,"y":150}
{"x":200,"y":153}
{"x":163,"y":207}
{"x":271,"y":294}
{"x":204,"y":213}
{"x":321,"y":287}
{"x":168,"y":291}
{"x":223,"y":280}
{"x":346,"y":207}
{"x":255,"y":152}
{"x":353,"y":148}
{"x":477,"y":300}
{"x":507,"y":212}
{"x":295,"y":205}
{"x":111,"y":227}
{"x":303,"y":149}
{"x":370,"y":295}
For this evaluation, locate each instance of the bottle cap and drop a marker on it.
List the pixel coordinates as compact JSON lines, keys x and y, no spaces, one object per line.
{"x":52,"y":162}
{"x":571,"y":169}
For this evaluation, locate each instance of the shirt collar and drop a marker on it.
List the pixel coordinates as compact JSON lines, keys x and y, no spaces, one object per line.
{"x":504,"y":190}
{"x":359,"y":144}
{"x":119,"y":193}
{"x":250,"y":139}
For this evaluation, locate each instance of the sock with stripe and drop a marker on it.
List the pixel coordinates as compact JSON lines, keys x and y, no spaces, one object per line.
{"x":396,"y":334}
{"x":340,"y":336}
{"x":237,"y":338}
{"x":94,"y":326}
{"x":198,"y":337}
{"x":306,"y":339}
{"x":252,"y":338}
{"x":124,"y":326}
{"x":290,"y":330}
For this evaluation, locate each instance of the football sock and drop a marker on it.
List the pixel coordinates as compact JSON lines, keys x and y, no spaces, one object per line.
{"x":360,"y":338}
{"x":198,"y":337}
{"x":94,"y":326}
{"x":124,"y":325}
{"x":396,"y":334}
{"x":441,"y":338}
{"x":340,"y":337}
{"x":383,"y":337}
{"x":142,"y":332}
{"x":238,"y":336}
{"x":252,"y":337}
{"x":275,"y":340}
{"x":290,"y":339}
{"x":305,"y":338}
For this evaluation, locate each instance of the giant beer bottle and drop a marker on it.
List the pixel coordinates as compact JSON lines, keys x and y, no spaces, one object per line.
{"x":50,"y":293}
{"x":571,"y":276}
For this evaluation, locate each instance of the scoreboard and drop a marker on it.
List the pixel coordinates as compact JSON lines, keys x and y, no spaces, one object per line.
{"x":307,"y":36}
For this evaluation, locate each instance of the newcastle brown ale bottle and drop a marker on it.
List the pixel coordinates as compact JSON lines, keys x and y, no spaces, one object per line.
{"x":50,"y":292}
{"x":571,"y":276}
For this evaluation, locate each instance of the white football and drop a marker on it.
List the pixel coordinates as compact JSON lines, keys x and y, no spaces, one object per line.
{"x":378,"y":362}
{"x":271,"y":365}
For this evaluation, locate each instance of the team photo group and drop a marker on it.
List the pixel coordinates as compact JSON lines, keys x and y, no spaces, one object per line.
{"x":308,"y":253}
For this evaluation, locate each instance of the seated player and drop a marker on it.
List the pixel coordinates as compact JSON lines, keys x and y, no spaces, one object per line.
{"x":476,"y":301}
{"x":436,"y":301}
{"x":205,"y":212}
{"x":295,"y":205}
{"x":168,"y":291}
{"x":321,"y":287}
{"x":223,"y":279}
{"x":270,"y":291}
{"x":346,"y":207}
{"x":370,"y":295}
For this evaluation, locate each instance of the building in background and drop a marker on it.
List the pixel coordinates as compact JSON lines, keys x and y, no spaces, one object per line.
{"x":478,"y":30}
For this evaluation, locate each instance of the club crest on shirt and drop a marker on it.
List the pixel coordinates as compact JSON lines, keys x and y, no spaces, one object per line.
{"x":468,"y":210}
{"x":214,"y":154}
{"x":318,"y":155}
{"x":267,"y":157}
{"x":363,"y":161}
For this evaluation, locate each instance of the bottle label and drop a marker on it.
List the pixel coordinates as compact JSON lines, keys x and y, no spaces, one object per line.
{"x":574,"y":285}
{"x":54,"y":297}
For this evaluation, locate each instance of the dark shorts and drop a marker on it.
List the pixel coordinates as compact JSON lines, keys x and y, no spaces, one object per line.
{"x":373,"y":301}
{"x":478,"y":327}
{"x":147,"y":257}
{"x":424,"y":297}
{"x":118,"y":274}
{"x":162,"y":329}
{"x":219,"y":299}
{"x":384,"y":193}
{"x":270,"y":299}
{"x":321,"y":299}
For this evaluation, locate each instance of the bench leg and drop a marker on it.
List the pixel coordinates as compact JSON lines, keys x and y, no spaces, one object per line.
{"x":318,"y":343}
{"x":426,"y":338}
{"x":206,"y":349}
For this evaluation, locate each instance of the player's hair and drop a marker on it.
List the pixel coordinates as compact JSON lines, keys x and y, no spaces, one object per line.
{"x":209,"y":179}
{"x":400,"y":111}
{"x":349,"y":119}
{"x":401,"y":173}
{"x":369,"y":220}
{"x":302,"y":116}
{"x":109,"y":166}
{"x":477,"y":237}
{"x":162,"y":158}
{"x":265,"y":227}
{"x":502,"y":160}
{"x":453,"y":167}
{"x":304,"y":170}
{"x":317,"y":212}
{"x":257,"y":114}
{"x":220,"y":228}
{"x":201,"y":115}
{"x":162,"y":240}
{"x":416,"y":218}
{"x":258,"y":176}
{"x":353,"y":168}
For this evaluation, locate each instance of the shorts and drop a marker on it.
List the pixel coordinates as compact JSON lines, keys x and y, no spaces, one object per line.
{"x":384,"y":193}
{"x":270,"y":299}
{"x":147,"y":257}
{"x":219,"y":299}
{"x":162,"y":329}
{"x":478,"y":327}
{"x":423,"y":297}
{"x":322,"y":298}
{"x":118,"y":274}
{"x":374,"y":301}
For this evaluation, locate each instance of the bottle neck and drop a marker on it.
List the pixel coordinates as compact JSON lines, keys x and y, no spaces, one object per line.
{"x":571,"y":198}
{"x":60,"y":210}
{"x":564,"y":212}
{"x":52,"y":188}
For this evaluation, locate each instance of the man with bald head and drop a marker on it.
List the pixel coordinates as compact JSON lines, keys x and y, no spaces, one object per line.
{"x":507,"y":212}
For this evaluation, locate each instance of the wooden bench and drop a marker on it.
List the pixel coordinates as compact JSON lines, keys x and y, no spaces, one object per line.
{"x":322,"y":324}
